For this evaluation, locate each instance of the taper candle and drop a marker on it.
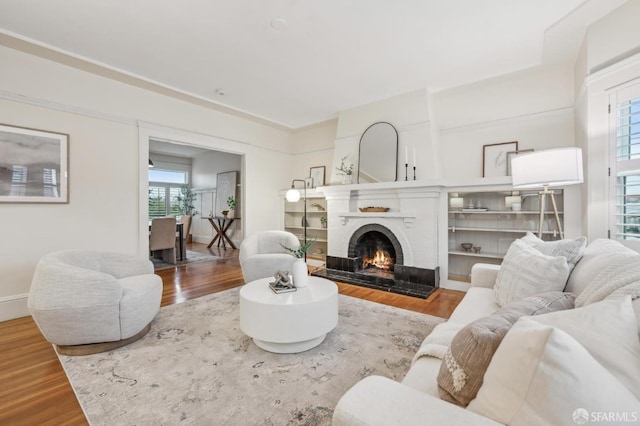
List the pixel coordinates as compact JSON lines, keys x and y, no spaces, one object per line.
{"x":414,"y":157}
{"x":406,"y":155}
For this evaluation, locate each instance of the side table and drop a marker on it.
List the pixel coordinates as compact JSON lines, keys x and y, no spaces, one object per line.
{"x":221,"y":227}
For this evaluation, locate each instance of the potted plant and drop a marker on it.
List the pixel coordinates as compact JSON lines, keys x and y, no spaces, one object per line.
{"x":299,"y":268}
{"x":345,"y":169}
{"x":186,"y":198}
{"x":231,"y":203}
{"x":323,"y":221}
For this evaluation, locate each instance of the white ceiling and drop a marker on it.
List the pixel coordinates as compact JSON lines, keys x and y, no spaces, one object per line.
{"x":334,"y":54}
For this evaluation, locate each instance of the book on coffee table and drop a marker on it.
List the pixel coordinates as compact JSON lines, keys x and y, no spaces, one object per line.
{"x":277,"y":288}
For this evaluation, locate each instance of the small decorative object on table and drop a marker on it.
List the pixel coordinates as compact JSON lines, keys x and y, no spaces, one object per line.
{"x":283,"y":282}
{"x":345,"y":170}
{"x":299,"y":270}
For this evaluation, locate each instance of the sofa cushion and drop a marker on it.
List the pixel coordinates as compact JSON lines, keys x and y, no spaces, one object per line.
{"x":477,"y":303}
{"x":526,"y":272}
{"x":598,"y":254}
{"x":542,"y":375}
{"x":608,"y":330}
{"x":462,"y":370}
{"x":571,"y":249}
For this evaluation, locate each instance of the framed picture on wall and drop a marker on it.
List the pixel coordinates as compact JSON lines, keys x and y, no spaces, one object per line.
{"x":33,"y":166}
{"x":317,"y":176}
{"x":511,"y":155}
{"x":494,"y":158}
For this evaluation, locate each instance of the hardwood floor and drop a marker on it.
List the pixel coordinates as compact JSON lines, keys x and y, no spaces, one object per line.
{"x":34,"y":389}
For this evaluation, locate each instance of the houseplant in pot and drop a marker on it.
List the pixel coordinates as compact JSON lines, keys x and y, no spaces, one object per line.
{"x":231,"y":203}
{"x":299,"y":268}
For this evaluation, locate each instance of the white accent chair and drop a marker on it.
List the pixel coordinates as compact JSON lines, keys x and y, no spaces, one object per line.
{"x":99,"y":300}
{"x":262,"y":254}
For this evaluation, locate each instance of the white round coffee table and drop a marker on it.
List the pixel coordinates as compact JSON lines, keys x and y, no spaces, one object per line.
{"x":288,"y":322}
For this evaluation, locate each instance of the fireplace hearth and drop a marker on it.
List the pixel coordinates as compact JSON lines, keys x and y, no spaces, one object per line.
{"x":375,"y":260}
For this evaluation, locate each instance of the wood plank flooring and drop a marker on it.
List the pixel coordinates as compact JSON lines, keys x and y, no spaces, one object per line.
{"x":34,"y":389}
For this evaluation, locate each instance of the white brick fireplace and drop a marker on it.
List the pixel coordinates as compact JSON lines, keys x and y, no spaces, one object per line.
{"x":412,"y":217}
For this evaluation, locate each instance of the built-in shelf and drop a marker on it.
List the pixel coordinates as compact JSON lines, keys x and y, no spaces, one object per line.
{"x":473,"y":254}
{"x":493,"y":227}
{"x":293,"y":216}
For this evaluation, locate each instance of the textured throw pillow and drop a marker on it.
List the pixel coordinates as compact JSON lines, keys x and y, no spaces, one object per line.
{"x":525,"y":272}
{"x":571,"y":249}
{"x":470,"y":352}
{"x":540,"y":375}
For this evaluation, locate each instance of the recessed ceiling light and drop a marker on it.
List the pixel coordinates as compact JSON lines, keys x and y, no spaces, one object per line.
{"x":279,"y":24}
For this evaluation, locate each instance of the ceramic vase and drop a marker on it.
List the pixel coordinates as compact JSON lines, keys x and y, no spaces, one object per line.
{"x":300,"y":273}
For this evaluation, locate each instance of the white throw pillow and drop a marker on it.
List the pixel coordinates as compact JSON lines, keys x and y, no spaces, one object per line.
{"x":541,"y":375}
{"x":571,"y":249}
{"x":526,"y":272}
{"x":609,"y":331}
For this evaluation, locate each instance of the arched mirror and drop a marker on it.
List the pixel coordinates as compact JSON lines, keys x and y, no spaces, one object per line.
{"x":378,"y":159}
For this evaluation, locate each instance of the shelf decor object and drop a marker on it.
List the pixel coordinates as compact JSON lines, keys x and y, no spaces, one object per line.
{"x":293,"y":195}
{"x":494,"y":158}
{"x":548,"y":168}
{"x":374,"y":209}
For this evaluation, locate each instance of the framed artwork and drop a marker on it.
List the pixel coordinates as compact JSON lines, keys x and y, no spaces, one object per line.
{"x":317,"y":176}
{"x":225,"y":188}
{"x":33,"y":166}
{"x":511,"y":155}
{"x":494,"y":158}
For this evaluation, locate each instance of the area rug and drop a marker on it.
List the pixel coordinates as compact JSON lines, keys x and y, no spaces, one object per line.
{"x":196,"y":367}
{"x":192,"y":257}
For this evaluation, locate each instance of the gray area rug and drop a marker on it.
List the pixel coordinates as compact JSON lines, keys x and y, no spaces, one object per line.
{"x":196,"y":367}
{"x":192,"y":257}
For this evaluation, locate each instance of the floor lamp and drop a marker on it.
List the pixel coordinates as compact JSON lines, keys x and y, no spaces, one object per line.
{"x":548,"y":168}
{"x":293,"y":195}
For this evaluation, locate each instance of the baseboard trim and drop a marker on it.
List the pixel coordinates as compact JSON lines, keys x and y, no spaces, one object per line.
{"x":12,"y":307}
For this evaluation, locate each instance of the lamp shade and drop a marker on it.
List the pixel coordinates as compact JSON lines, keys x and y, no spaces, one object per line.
{"x":293,"y":195}
{"x":551,"y":167}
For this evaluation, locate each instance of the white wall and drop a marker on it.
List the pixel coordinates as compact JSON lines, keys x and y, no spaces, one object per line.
{"x":532,"y":107}
{"x":108,"y":124}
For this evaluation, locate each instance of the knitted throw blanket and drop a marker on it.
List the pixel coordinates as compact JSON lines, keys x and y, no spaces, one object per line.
{"x":615,"y":280}
{"x":437,"y":343}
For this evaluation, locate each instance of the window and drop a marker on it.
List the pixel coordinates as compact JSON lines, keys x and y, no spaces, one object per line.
{"x":164,"y":189}
{"x":625,"y":170}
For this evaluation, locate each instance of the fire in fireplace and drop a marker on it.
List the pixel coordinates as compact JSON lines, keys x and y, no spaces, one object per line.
{"x":375,"y":254}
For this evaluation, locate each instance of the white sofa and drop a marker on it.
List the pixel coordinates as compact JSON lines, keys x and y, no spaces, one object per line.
{"x":380,"y":401}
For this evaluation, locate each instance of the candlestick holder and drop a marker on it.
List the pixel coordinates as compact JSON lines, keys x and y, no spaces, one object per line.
{"x":406,"y":171}
{"x":414,"y":172}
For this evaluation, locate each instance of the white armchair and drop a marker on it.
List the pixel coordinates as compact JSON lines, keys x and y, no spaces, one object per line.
{"x":261,"y":254}
{"x":99,"y":300}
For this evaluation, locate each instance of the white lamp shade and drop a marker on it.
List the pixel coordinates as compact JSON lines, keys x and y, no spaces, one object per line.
{"x":293,"y":195}
{"x":551,"y":167}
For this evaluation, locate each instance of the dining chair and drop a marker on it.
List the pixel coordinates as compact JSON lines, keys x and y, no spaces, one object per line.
{"x":186,"y":228}
{"x":163,"y":237}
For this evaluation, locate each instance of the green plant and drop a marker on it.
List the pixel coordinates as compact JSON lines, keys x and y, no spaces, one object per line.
{"x":300,"y":251}
{"x":185,"y":201}
{"x":345,"y":169}
{"x":231,"y":202}
{"x":323,"y":220}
